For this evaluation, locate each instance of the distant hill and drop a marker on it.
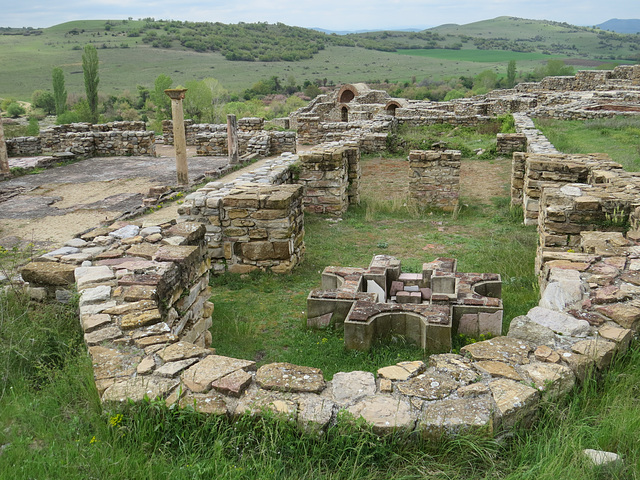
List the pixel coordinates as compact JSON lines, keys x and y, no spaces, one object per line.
{"x":348,"y":32}
{"x":621,"y":26}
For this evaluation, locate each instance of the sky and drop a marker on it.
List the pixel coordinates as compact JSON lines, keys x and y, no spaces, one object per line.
{"x":328,"y":14}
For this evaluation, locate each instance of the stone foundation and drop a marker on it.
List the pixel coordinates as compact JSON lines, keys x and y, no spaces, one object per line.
{"x":192,"y":129}
{"x":261,"y":143}
{"x":435,"y":179}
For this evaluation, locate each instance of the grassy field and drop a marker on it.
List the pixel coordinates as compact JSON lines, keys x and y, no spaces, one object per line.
{"x":126,"y":62}
{"x":53,"y":426}
{"x":619,"y":137}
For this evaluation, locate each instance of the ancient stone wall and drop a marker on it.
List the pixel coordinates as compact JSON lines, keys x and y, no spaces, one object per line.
{"x":253,"y":223}
{"x":262,"y":143}
{"x":330,"y":175}
{"x":435,"y":178}
{"x":85,"y":139}
{"x":507,"y":143}
{"x":192,"y":129}
{"x":24,"y":146}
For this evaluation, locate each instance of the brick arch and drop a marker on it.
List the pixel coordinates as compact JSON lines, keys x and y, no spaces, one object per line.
{"x":391,"y":106}
{"x":347,"y":93}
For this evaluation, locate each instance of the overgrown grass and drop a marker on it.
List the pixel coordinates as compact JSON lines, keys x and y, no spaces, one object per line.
{"x":617,"y":136}
{"x":263,"y":316}
{"x":53,"y":426}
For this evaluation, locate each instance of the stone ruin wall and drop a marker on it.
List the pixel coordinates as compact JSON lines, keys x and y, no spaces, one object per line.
{"x":85,"y":140}
{"x":588,"y":314}
{"x":330,"y":175}
{"x":255,"y":222}
{"x":435,"y":179}
{"x":192,"y":129}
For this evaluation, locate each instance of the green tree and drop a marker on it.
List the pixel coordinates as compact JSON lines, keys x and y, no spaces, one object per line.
{"x":44,"y":100}
{"x":511,"y":74}
{"x":159,"y":98}
{"x":204,"y":100}
{"x":15,"y":110}
{"x":59,"y":91}
{"x":485,"y":82}
{"x":91,"y":79}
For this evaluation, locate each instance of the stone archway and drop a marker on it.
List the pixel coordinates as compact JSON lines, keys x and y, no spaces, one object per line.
{"x":344,"y":114}
{"x":391,"y":108}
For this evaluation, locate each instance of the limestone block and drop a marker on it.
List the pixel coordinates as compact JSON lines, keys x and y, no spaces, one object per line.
{"x":102,"y":335}
{"x":546,"y":354}
{"x":314,"y":413}
{"x":497,"y":369}
{"x":599,"y":350}
{"x":209,"y":403}
{"x":200,"y":376}
{"x":624,"y":314}
{"x":286,"y":377}
{"x":233,"y":384}
{"x":456,"y":366}
{"x":525,"y":329}
{"x":348,"y":388}
{"x":385,"y":413}
{"x":553,"y":380}
{"x":430,"y":385}
{"x":621,"y":336}
{"x":578,"y":363}
{"x":559,"y":322}
{"x":172,"y":369}
{"x":514,"y":402}
{"x":467,"y":415}
{"x":181,"y":351}
{"x":504,"y":349}
{"x":139,"y":388}
{"x":140,"y":319}
{"x":48,"y":273}
{"x":86,"y":276}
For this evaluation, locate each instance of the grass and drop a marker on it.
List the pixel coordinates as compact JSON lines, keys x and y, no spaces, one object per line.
{"x":482,"y":56}
{"x":618,"y":136}
{"x":53,"y":426}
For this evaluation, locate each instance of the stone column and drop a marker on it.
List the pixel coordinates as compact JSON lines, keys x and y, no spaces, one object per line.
{"x":4,"y":158}
{"x":179,"y":139}
{"x":232,"y":138}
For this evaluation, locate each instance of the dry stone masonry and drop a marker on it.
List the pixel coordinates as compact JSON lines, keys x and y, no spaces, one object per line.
{"x":435,"y":178}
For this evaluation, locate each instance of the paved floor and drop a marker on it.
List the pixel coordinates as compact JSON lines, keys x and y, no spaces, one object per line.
{"x":51,"y":207}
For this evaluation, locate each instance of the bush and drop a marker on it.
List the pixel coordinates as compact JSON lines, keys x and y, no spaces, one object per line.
{"x":33,"y":129}
{"x":15,"y":110}
{"x":44,"y":100}
{"x":67,"y":117}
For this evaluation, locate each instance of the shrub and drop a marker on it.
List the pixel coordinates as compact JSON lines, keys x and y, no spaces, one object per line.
{"x":33,"y":129}
{"x":67,"y":117}
{"x":44,"y":100}
{"x":15,"y":110}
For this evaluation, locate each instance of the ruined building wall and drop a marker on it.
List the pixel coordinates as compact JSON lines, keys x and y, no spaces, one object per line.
{"x":435,"y":178}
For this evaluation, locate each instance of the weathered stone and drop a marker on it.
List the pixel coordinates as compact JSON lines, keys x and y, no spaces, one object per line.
{"x":181,"y":351}
{"x":211,"y":403}
{"x":103,"y":335}
{"x":112,"y":363}
{"x":385,"y":413}
{"x":502,"y":349}
{"x":146,"y":366}
{"x":559,"y":322}
{"x":609,"y":294}
{"x":498,"y":369}
{"x":233,"y":384}
{"x":560,"y":295}
{"x":470,"y":415}
{"x":200,"y":376}
{"x":94,"y":322}
{"x":314,"y":413}
{"x":140,"y":319}
{"x":430,"y":385}
{"x":256,"y":401}
{"x":48,"y":273}
{"x":601,"y":458}
{"x":129,"y":307}
{"x":553,"y":380}
{"x":143,"y":250}
{"x":86,"y":276}
{"x":98,"y":294}
{"x":624,"y":314}
{"x":473,"y":390}
{"x":286,"y":377}
{"x":348,"y":388}
{"x":401,"y":371}
{"x":546,"y":354}
{"x":125,"y":232}
{"x":456,"y":366}
{"x":514,"y":402}
{"x":579,"y":364}
{"x":139,"y":388}
{"x":172,"y":369}
{"x":599,"y":350}
{"x":621,"y":336}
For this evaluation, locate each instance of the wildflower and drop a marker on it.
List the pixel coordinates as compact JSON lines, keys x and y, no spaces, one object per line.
{"x":93,"y":440}
{"x":115,"y":420}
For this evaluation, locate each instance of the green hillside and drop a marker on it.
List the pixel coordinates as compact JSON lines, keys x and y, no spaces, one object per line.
{"x":135,"y":52}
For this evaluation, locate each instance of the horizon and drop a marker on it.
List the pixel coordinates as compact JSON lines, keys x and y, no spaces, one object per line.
{"x":332,"y":15}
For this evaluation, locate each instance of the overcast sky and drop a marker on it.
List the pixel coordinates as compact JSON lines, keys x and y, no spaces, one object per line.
{"x":328,"y":14}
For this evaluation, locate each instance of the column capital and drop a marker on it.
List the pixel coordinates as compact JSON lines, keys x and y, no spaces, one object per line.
{"x":175,"y":93}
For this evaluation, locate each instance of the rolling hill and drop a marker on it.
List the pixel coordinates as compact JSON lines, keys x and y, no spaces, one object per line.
{"x":621,"y":26}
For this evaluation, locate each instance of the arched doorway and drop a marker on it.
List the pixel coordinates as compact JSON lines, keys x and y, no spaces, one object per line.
{"x":344,"y":116}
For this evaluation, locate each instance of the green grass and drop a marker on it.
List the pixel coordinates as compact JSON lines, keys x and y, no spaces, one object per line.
{"x":481,"y":56}
{"x":618,"y":136}
{"x":53,"y":426}
{"x":262,"y":316}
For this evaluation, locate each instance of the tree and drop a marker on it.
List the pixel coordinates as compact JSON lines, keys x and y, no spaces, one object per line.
{"x":159,"y":98}
{"x":15,"y":110}
{"x":204,"y":100}
{"x":91,"y":79}
{"x":44,"y":100}
{"x":511,"y":74}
